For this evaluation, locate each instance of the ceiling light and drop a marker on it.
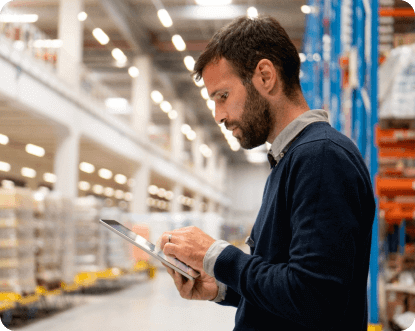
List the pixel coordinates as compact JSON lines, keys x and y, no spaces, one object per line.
{"x":178,"y":42}
{"x":120,"y":179}
{"x":9,"y":18}
{"x":205,"y":150}
{"x":105,"y":173}
{"x":157,"y":96}
{"x":86,"y":167}
{"x":153,"y":189}
{"x":4,"y":140}
{"x":161,"y":193}
{"x":306,"y":9}
{"x":3,"y":3}
{"x":199,"y":83}
{"x":128,"y":196}
{"x":5,"y":166}
{"x":252,"y":12}
{"x":211,"y":105}
{"x":28,"y":172}
{"x":98,"y":189}
{"x":84,"y":186}
{"x":118,"y":105}
{"x":133,"y":72}
{"x":191,"y":135}
{"x":101,"y":36}
{"x":213,"y":2}
{"x":186,"y":128}
{"x":164,"y":18}
{"x":48,"y":177}
{"x":35,"y":150}
{"x":169,"y":195}
{"x":235,"y":146}
{"x":119,"y":55}
{"x":173,"y":114}
{"x":47,"y":43}
{"x":166,"y":106}
{"x":119,"y":194}
{"x":189,"y":62}
{"x":109,"y":192}
{"x":205,"y":94}
{"x":303,"y":57}
{"x":82,"y":16}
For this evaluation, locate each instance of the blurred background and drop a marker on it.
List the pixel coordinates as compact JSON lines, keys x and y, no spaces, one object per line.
{"x":101,"y":118}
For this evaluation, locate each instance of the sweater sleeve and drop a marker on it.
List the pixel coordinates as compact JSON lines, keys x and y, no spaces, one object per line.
{"x":231,"y":299}
{"x":324,"y":190}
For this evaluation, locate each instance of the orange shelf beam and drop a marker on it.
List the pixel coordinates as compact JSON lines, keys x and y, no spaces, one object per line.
{"x":394,"y":186}
{"x":397,"y":12}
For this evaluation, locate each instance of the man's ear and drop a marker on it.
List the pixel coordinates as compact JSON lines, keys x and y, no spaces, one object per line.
{"x":266,"y":79}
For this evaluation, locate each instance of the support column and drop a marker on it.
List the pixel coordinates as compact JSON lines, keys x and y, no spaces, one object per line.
{"x":176,"y":136}
{"x":176,"y":206}
{"x":141,"y":100}
{"x":142,"y":180}
{"x":66,"y":164}
{"x":211,"y":206}
{"x":212,"y":173}
{"x":223,"y":164}
{"x":197,"y":155}
{"x":198,"y":203}
{"x":71,"y":32}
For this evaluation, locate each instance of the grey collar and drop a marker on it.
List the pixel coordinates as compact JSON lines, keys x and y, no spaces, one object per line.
{"x":287,"y":136}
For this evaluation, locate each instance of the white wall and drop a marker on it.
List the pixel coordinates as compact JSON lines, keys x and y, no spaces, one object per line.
{"x":245,"y":188}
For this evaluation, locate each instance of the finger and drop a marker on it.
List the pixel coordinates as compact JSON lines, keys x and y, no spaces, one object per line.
{"x":164,"y":239}
{"x":170,"y":249}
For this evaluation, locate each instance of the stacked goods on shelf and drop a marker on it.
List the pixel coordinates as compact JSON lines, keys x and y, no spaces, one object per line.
{"x":56,"y":250}
{"x":118,"y":251}
{"x":17,"y":242}
{"x":89,"y":235}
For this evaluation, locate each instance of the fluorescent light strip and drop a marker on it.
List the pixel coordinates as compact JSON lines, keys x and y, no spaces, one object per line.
{"x":178,"y":42}
{"x":133,"y":72}
{"x":98,"y":189}
{"x":84,"y":186}
{"x":119,"y":55}
{"x":101,"y":36}
{"x":82,"y":16}
{"x":120,"y":179}
{"x":105,"y":173}
{"x":165,"y":18}
{"x":4,"y":166}
{"x":50,"y":178}
{"x":4,"y":140}
{"x":213,"y":2}
{"x":10,"y":18}
{"x":35,"y":150}
{"x":166,"y":106}
{"x":28,"y":172}
{"x":189,"y":62}
{"x":87,"y":167}
{"x":156,"y":96}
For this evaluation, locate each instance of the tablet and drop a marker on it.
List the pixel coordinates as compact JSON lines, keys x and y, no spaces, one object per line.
{"x":150,"y":248}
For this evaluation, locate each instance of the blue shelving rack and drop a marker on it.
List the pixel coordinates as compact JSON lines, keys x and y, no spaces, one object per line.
{"x":321,"y":80}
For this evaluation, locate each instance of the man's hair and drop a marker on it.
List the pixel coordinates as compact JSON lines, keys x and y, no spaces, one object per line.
{"x":245,"y":41}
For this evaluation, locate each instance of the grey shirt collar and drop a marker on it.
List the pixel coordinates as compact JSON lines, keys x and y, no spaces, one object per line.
{"x":287,"y":136}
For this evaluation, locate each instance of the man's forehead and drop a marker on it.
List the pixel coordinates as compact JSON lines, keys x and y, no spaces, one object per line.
{"x":217,"y":71}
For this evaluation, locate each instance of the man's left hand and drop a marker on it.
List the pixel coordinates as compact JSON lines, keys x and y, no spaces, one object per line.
{"x":188,"y":245}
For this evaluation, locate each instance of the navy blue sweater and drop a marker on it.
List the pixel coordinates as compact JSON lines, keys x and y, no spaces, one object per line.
{"x":309,"y":265}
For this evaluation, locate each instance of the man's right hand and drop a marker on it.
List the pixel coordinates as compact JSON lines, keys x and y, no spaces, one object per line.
{"x":202,"y":288}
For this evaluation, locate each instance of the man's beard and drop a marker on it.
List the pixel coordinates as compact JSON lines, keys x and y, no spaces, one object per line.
{"x":256,"y":122}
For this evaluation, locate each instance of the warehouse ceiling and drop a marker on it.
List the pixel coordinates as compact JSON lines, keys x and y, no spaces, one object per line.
{"x":133,"y":26}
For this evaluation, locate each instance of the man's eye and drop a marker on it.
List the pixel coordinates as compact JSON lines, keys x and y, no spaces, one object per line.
{"x":224,"y":96}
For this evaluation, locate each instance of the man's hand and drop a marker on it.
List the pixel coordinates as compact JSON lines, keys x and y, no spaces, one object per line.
{"x":202,"y":288}
{"x":188,"y":245}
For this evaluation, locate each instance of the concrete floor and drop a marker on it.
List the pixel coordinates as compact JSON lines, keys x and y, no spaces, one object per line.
{"x":150,"y":305}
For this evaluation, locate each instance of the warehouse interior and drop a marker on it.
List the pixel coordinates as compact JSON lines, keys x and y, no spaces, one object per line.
{"x":100,"y":118}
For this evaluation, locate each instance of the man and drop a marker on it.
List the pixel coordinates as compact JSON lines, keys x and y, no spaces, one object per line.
{"x":310,"y":244}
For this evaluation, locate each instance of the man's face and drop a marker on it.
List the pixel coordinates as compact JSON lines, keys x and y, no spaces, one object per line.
{"x":242,"y":109}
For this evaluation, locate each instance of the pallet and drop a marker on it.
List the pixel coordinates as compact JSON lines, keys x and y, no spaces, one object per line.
{"x":397,"y":123}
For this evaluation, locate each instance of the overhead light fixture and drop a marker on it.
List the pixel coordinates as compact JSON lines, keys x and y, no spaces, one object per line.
{"x":186,"y":129}
{"x":166,"y":106}
{"x":119,"y":55}
{"x":235,"y":146}
{"x":133,"y":72}
{"x":205,"y":94}
{"x":109,"y":192}
{"x":84,"y":186}
{"x":191,"y":135}
{"x":118,"y":105}
{"x":303,"y":57}
{"x":120,"y":179}
{"x":199,"y":83}
{"x":47,"y":43}
{"x":82,"y":16}
{"x":157,"y":96}
{"x":173,"y":114}
{"x":105,"y":173}
{"x":98,"y":189}
{"x":153,"y":189}
{"x":213,"y":2}
{"x":50,"y":178}
{"x":10,"y":18}
{"x":128,"y":196}
{"x":165,"y":18}
{"x":189,"y":62}
{"x":101,"y":36}
{"x":86,"y":167}
{"x":205,"y":150}
{"x":35,"y":150}
{"x":211,"y":105}
{"x":178,"y":42}
{"x":161,"y":193}
{"x":28,"y":172}
{"x":306,"y":9}
{"x":4,"y":140}
{"x":169,"y":195}
{"x":119,"y":194}
{"x":4,"y":166}
{"x":3,"y":3}
{"x":252,"y":12}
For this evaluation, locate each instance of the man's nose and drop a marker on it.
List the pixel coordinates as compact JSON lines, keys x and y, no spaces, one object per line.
{"x":220,"y":115}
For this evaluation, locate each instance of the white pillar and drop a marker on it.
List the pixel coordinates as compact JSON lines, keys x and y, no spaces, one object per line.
{"x":176,"y":135}
{"x":223,"y":164}
{"x":198,"y":203}
{"x":197,"y":155}
{"x":212,"y":169}
{"x":66,"y":164}
{"x":141,"y":100}
{"x":142,"y":180}
{"x":71,"y":32}
{"x":176,"y":206}
{"x":211,"y":206}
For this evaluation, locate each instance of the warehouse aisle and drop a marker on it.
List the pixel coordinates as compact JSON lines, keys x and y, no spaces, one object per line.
{"x":152,"y":305}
